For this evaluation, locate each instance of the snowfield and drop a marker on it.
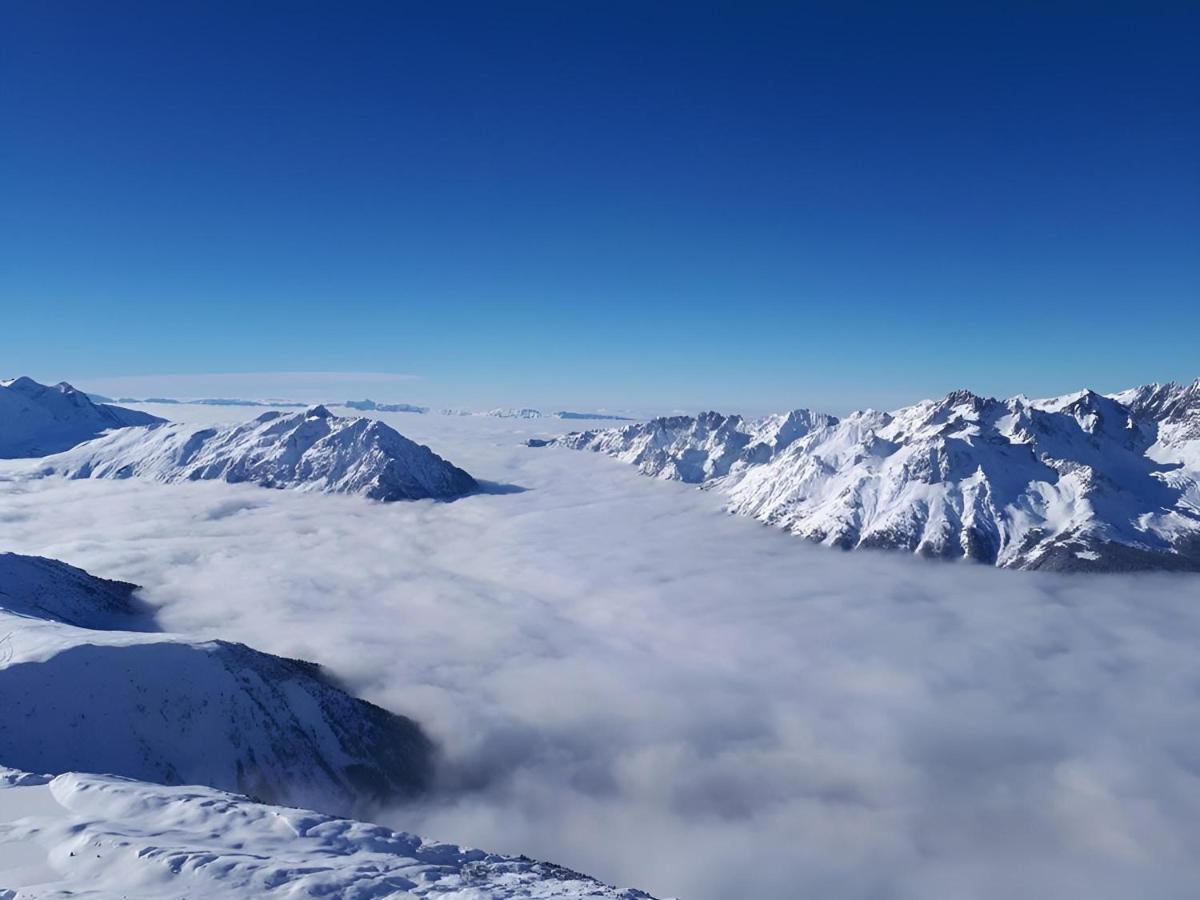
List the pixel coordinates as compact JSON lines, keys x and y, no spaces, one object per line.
{"x":1075,"y":483}
{"x":624,"y":679}
{"x":103,"y":837}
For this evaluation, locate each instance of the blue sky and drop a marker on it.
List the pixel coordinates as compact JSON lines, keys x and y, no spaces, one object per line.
{"x":619,"y":204}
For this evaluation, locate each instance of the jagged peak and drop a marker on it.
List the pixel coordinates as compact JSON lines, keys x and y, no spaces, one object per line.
{"x":318,"y":412}
{"x":965,"y":397}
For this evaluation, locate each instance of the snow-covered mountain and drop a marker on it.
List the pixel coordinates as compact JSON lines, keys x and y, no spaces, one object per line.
{"x":38,"y":419}
{"x":311,"y":450}
{"x":1079,"y":482}
{"x":98,"y":836}
{"x":158,"y":707}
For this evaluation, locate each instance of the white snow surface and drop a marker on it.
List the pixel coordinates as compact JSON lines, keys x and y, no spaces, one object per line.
{"x":312,"y":450}
{"x":107,"y":838}
{"x":38,"y":419}
{"x":1082,"y":481}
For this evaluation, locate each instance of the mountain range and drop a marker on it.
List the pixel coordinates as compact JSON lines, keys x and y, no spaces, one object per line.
{"x":1081,"y":482}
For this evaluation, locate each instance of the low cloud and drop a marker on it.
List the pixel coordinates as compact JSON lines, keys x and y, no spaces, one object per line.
{"x":627,"y":681}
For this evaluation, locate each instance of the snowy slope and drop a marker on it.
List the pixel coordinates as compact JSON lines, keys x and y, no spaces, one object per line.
{"x":37,"y":419}
{"x":1080,"y":482}
{"x":311,"y":450}
{"x":108,"y":838}
{"x":50,"y":589}
{"x":158,"y":707}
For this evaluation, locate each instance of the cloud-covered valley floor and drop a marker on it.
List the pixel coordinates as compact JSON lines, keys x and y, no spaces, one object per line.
{"x":627,"y":681}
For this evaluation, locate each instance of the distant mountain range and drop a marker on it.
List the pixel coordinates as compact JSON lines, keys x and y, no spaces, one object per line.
{"x":371,"y":405}
{"x":1082,"y":482}
{"x":525,"y":412}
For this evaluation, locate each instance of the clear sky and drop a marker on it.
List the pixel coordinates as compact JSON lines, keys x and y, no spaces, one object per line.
{"x":624,"y":204}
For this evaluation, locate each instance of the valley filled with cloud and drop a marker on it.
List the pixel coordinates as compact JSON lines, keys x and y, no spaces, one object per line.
{"x":622,"y":678}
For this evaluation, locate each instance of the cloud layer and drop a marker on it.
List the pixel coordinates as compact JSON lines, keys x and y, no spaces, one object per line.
{"x":629,"y":682}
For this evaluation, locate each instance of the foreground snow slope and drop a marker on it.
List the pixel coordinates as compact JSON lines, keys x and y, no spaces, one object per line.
{"x":105,"y":837}
{"x":158,"y":707}
{"x":310,"y":450}
{"x":49,"y":589}
{"x":37,"y":419}
{"x":1080,"y":482}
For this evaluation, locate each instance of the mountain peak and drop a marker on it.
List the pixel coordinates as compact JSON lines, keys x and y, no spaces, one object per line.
{"x":38,"y":419}
{"x":964,"y":397}
{"x":313,"y":450}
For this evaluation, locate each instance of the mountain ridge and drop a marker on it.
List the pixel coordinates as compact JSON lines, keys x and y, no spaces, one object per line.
{"x":1084,"y":481}
{"x":38,"y":419}
{"x":311,"y":450}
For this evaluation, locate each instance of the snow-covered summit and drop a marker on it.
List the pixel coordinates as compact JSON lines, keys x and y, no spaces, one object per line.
{"x":310,"y":450}
{"x":1082,"y":481}
{"x":38,"y":419}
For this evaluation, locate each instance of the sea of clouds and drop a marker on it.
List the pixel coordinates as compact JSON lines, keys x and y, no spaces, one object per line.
{"x":627,"y":681}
